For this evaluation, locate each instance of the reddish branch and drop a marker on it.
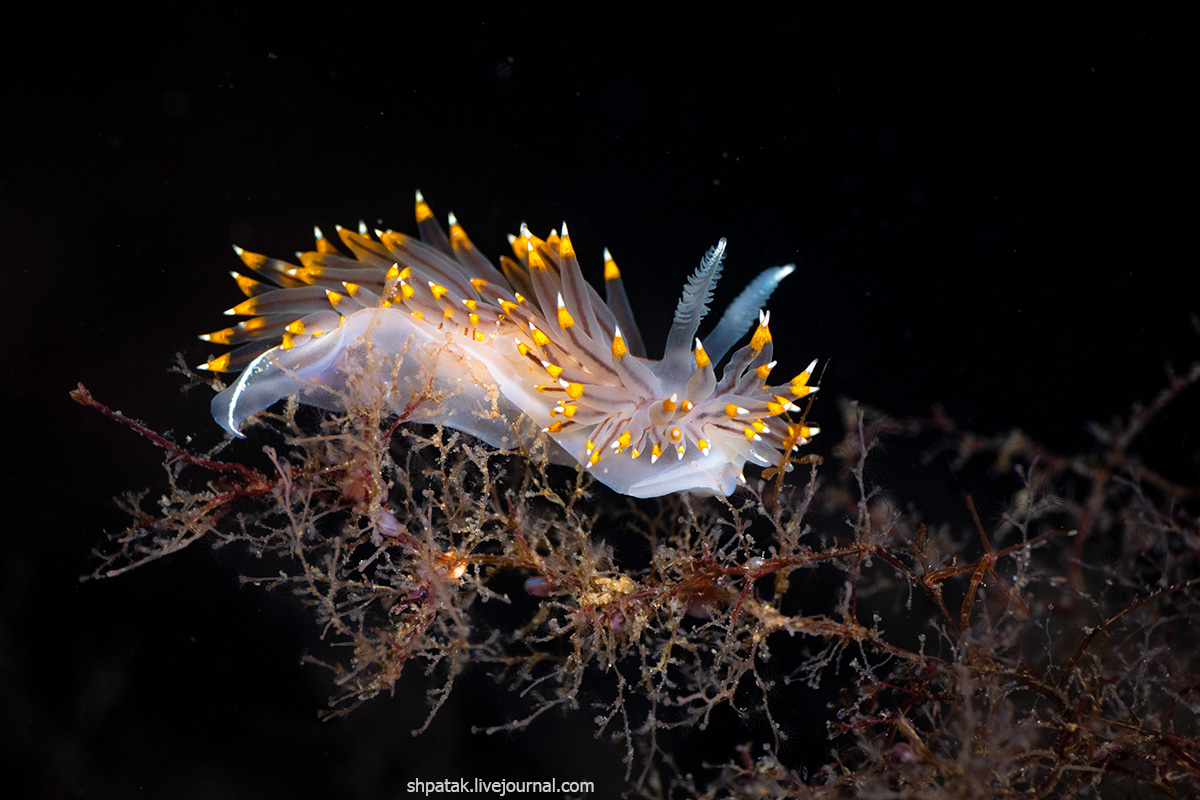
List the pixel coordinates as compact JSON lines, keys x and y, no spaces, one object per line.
{"x":84,"y":397}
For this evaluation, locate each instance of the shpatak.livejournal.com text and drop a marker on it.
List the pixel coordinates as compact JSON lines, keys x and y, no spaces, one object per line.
{"x":498,"y":788}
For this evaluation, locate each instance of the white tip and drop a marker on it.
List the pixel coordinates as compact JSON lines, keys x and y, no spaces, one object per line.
{"x":511,"y":238}
{"x":607,"y":255}
{"x":317,"y":233}
{"x":698,"y":345}
{"x":764,"y":317}
{"x":363,"y":230}
{"x":525,"y":231}
{"x":785,"y":270}
{"x":420,"y":197}
{"x":564,"y":228}
{"x":561,"y":304}
{"x":453,"y":220}
{"x":204,"y":337}
{"x":811,"y":366}
{"x":203,"y":367}
{"x":238,"y":250}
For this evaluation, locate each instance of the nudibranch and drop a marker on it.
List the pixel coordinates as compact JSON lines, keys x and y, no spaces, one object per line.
{"x":456,"y":340}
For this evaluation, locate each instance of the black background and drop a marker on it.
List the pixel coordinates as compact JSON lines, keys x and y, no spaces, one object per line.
{"x":990,"y":210}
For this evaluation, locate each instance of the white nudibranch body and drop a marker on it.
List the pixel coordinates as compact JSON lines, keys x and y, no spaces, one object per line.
{"x":447,"y":337}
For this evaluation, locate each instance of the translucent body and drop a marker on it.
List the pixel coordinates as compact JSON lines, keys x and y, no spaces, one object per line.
{"x":433,"y":332}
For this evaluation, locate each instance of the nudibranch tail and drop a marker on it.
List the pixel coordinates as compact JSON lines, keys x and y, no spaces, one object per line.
{"x":434,"y":331}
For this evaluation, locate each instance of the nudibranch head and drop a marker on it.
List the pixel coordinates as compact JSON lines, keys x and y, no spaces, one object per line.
{"x":476,"y":347}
